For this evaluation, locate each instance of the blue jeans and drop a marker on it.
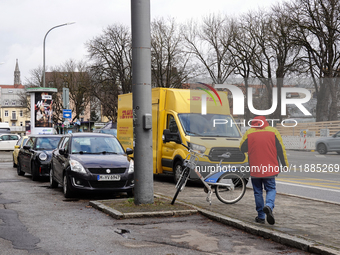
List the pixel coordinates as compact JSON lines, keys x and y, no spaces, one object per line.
{"x":270,"y":187}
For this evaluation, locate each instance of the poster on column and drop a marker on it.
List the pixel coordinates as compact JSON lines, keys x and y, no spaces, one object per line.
{"x":43,"y":109}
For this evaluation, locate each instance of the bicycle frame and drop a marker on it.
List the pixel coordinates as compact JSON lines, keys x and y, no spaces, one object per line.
{"x":211,"y":180}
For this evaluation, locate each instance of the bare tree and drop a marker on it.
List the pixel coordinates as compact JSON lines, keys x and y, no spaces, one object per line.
{"x":243,"y":48}
{"x":74,"y":76}
{"x":210,"y":43}
{"x":111,"y":72}
{"x":168,"y":59}
{"x":318,"y":25}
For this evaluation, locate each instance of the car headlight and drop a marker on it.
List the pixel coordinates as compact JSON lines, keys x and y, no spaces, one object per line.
{"x":131,"y":167}
{"x":77,"y":167}
{"x":197,"y":147}
{"x":42,"y":156}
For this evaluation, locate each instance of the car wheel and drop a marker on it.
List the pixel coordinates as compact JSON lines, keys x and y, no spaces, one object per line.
{"x":178,"y":168}
{"x":34,"y":173}
{"x":68,"y":193}
{"x":322,"y":149}
{"x":19,"y":171}
{"x":14,"y":165}
{"x":53,"y":183}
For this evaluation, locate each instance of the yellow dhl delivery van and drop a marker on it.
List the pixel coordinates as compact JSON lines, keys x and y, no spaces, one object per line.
{"x":180,"y":111}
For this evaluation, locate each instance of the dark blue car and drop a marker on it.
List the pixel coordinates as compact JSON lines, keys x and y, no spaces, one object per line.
{"x":91,"y":162}
{"x":35,"y":157}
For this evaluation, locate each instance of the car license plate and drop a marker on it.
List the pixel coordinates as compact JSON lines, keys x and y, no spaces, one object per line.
{"x":111,"y":177}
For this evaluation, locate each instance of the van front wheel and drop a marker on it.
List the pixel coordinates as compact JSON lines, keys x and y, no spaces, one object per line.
{"x":178,"y":168}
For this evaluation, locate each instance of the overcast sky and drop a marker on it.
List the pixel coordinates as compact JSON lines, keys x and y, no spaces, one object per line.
{"x":24,"y":23}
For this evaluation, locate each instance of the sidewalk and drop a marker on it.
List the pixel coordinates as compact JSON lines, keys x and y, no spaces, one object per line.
{"x":307,"y":224}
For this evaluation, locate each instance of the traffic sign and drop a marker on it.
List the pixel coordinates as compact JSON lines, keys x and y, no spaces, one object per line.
{"x":67,"y":113}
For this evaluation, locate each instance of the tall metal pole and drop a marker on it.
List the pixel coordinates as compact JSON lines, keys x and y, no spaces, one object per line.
{"x":142,"y":106}
{"x":44,"y":47}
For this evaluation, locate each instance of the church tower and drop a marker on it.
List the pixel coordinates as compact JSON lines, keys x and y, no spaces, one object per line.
{"x":17,"y":80}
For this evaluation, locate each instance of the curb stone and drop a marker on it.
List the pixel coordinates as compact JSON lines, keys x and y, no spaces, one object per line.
{"x":119,"y":215}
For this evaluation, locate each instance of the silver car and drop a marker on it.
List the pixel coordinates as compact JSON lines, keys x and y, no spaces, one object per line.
{"x":327,"y":144}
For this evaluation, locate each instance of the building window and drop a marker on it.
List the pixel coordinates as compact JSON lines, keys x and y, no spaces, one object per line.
{"x":6,"y":102}
{"x":6,"y":113}
{"x":13,"y":103}
{"x":14,"y":115}
{"x":21,"y":113}
{"x":21,"y":123}
{"x":13,"y":124}
{"x":81,"y":119}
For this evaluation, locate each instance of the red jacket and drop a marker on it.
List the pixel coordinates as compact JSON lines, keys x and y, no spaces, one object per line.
{"x":265,"y":149}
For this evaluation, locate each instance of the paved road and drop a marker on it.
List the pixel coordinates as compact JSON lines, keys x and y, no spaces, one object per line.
{"x":312,"y":175}
{"x":35,"y":219}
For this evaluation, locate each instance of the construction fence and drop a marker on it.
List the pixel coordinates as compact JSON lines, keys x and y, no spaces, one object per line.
{"x":304,"y":135}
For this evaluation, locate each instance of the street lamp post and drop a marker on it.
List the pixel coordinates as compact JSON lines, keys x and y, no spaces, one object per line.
{"x":44,"y":47}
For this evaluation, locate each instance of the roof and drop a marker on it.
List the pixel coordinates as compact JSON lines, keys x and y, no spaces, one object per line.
{"x":88,"y":134}
{"x":18,"y":86}
{"x":45,"y":135}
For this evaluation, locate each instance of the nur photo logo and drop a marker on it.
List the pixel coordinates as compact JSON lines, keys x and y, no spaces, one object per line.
{"x":204,"y":97}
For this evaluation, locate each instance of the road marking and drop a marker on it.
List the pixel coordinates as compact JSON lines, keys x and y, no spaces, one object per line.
{"x":320,"y":156}
{"x":305,"y":186}
{"x":299,"y":178}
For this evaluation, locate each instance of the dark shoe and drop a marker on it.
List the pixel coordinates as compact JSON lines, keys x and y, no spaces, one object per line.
{"x":258,"y":220}
{"x":270,"y":217}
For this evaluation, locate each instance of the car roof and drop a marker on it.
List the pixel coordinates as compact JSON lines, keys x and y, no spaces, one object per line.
{"x":45,"y":135}
{"x":88,"y":134}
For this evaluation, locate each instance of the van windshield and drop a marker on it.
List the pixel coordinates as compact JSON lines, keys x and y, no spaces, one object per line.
{"x":210,"y":125}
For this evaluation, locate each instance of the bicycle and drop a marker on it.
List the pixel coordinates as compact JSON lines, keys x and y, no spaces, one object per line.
{"x":229,"y":186}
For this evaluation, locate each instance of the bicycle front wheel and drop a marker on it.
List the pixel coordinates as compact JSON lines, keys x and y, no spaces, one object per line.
{"x":182,"y":180}
{"x":232,"y":188}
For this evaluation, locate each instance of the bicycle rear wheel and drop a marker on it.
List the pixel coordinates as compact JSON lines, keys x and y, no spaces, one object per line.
{"x":182,"y":180}
{"x":233,"y":190}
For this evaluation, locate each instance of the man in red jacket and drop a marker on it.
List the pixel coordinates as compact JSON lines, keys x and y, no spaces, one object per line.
{"x":266,"y":153}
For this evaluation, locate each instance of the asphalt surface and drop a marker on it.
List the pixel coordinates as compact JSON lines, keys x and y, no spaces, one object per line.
{"x":307,"y":224}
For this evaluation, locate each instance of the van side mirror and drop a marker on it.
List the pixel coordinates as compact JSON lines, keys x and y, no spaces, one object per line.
{"x":129,"y":151}
{"x":171,"y":137}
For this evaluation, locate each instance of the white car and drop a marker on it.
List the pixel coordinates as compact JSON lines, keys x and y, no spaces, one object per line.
{"x":327,"y":144}
{"x":8,"y":141}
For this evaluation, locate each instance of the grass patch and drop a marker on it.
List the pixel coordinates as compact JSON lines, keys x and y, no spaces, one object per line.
{"x":159,"y":205}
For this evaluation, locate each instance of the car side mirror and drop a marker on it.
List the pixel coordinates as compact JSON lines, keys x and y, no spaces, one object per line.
{"x":171,"y":137}
{"x":129,"y":151}
{"x":62,"y":151}
{"x":26,"y":147}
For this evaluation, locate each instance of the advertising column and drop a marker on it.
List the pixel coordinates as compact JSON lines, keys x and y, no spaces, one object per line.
{"x":42,"y":110}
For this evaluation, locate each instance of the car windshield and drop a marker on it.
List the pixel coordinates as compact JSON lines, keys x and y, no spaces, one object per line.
{"x":96,"y":145}
{"x":209,"y":125}
{"x":47,"y":143}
